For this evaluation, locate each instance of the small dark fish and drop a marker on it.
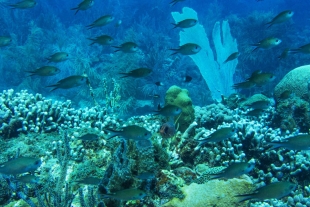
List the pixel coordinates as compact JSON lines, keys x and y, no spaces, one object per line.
{"x":102,"y":40}
{"x":232,"y":57}
{"x":28,"y":179}
{"x":303,"y":49}
{"x":173,"y":2}
{"x":280,"y":18}
{"x":187,"y":79}
{"x":102,"y":21}
{"x":89,"y":181}
{"x":187,"y":49}
{"x":45,"y":71}
{"x":218,"y":135}
{"x":158,"y":83}
{"x":58,"y":57}
{"x":244,"y":85}
{"x":298,"y":142}
{"x":255,"y":112}
{"x":285,"y":94}
{"x":126,"y":195}
{"x":259,"y":104}
{"x":186,"y":23}
{"x":20,"y":165}
{"x":26,"y":4}
{"x":260,"y":78}
{"x":169,"y":110}
{"x":89,"y":137}
{"x":167,"y":130}
{"x":146,"y":176}
{"x":234,"y":170}
{"x":274,"y":190}
{"x":131,"y":132}
{"x":137,"y":73}
{"x":5,"y":41}
{"x":267,"y":43}
{"x":127,"y":47}
{"x":84,"y":5}
{"x":69,"y":82}
{"x":284,"y":54}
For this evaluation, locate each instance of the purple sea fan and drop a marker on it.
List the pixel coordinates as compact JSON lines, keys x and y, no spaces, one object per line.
{"x":167,"y":130}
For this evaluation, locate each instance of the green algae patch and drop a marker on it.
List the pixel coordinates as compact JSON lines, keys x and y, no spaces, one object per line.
{"x":218,"y":193}
{"x":180,"y":98}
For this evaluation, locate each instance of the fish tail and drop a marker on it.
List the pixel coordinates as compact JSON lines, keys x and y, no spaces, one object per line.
{"x":125,"y":75}
{"x":175,"y":51}
{"x":54,"y":89}
{"x":175,"y":25}
{"x":112,"y":132}
{"x":244,"y":197}
{"x":173,"y":3}
{"x":269,"y":24}
{"x":90,"y":26}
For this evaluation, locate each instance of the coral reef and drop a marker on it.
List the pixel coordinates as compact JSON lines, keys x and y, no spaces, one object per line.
{"x":180,"y":97}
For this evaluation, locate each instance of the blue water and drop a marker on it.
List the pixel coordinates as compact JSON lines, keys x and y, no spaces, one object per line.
{"x":60,"y":29}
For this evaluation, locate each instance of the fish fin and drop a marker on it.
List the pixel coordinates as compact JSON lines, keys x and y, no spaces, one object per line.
{"x":269,"y":24}
{"x":54,"y":89}
{"x":293,"y":51}
{"x":254,"y":48}
{"x":275,"y":145}
{"x":32,"y":73}
{"x":113,"y":133}
{"x":77,"y":10}
{"x":245,"y":197}
{"x":175,"y":25}
{"x":173,"y":2}
{"x":125,"y":75}
{"x":90,"y":26}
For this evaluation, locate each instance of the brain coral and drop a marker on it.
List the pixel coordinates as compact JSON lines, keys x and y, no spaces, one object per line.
{"x":296,"y":81}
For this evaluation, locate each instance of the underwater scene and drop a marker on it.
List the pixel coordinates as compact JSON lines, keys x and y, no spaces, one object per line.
{"x":163,"y":103}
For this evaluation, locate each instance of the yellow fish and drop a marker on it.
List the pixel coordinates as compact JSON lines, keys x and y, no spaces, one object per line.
{"x":102,"y":21}
{"x":137,"y":73}
{"x":84,"y":5}
{"x":26,"y":4}
{"x":303,"y":49}
{"x":58,"y":57}
{"x":127,"y":47}
{"x":45,"y":71}
{"x":186,"y":23}
{"x":280,"y":18}
{"x":267,"y":43}
{"x":187,"y":49}
{"x":69,"y":82}
{"x":102,"y":40}
{"x":232,"y":57}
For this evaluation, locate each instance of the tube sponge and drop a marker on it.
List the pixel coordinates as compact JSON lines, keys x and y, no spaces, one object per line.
{"x":218,"y":76}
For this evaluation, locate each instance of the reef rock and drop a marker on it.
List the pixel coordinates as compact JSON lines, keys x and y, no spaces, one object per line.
{"x":218,"y":193}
